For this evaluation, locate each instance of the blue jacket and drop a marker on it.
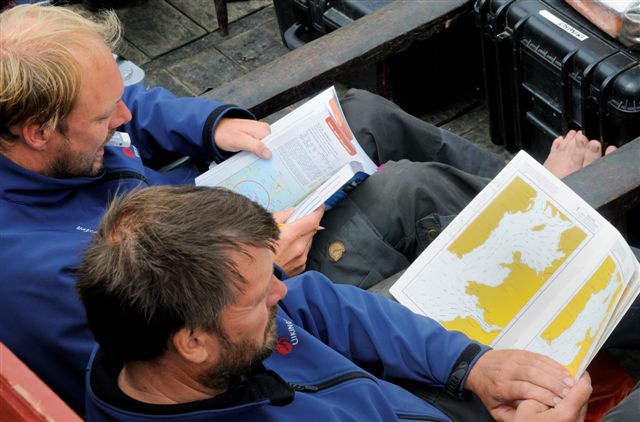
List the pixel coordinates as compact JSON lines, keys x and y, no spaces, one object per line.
{"x":45,"y":224}
{"x":326,"y":335}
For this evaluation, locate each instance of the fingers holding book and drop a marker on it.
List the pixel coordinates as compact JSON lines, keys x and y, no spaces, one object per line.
{"x":572,"y":408}
{"x":295,"y":240}
{"x":234,"y":135}
{"x":502,"y":378}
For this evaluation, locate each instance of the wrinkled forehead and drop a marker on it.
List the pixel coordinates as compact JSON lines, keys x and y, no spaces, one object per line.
{"x":101,"y":83}
{"x":91,"y":51}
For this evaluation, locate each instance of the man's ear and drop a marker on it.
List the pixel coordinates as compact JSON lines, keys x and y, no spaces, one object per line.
{"x":36,"y":136}
{"x":196,"y":346}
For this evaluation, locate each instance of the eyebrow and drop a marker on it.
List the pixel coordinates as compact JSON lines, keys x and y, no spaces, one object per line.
{"x":266,"y":291}
{"x":110,"y":111}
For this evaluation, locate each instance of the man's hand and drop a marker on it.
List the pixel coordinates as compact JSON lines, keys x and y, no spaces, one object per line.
{"x":234,"y":135}
{"x":571,"y":408}
{"x":295,"y":240}
{"x":500,"y":378}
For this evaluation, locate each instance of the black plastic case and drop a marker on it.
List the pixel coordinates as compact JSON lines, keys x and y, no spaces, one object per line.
{"x":302,"y":21}
{"x":548,"y":70}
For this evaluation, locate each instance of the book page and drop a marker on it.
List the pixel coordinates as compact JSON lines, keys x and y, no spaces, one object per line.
{"x":326,"y":100}
{"x":571,"y":320}
{"x":324,"y":191}
{"x":526,"y":261}
{"x":306,"y":150}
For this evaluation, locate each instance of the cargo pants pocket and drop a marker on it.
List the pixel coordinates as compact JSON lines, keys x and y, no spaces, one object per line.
{"x":352,"y":251}
{"x":428,"y":228}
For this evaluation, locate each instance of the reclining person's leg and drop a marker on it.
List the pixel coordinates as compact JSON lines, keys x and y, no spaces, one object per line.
{"x":381,"y":227}
{"x":388,"y":133}
{"x":384,"y":224}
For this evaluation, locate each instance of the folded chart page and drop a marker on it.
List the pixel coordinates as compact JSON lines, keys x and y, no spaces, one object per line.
{"x":529,"y":265}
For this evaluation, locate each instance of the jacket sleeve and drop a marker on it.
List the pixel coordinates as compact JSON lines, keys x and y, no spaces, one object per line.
{"x":380,"y":335}
{"x":44,"y":324}
{"x":164,"y":127}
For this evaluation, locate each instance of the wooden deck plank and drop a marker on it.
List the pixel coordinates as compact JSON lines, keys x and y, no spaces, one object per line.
{"x":473,"y":124}
{"x":166,"y":79}
{"x":156,"y":27}
{"x":206,"y":63}
{"x":204,"y":14}
{"x":204,"y":68}
{"x":255,"y":47}
{"x":132,"y":53}
{"x":397,"y":25}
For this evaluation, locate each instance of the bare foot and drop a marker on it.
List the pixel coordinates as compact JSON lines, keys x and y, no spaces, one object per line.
{"x":573,"y":152}
{"x":567,"y":154}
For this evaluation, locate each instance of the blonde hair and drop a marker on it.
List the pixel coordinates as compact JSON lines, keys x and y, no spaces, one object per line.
{"x":40,"y":75}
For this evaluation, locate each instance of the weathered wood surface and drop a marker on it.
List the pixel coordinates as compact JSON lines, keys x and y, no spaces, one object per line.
{"x":25,"y":397}
{"x":316,"y":65}
{"x":611,"y":185}
{"x":212,"y":60}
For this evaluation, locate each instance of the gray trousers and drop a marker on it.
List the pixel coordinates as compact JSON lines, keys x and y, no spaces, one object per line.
{"x":429,"y":176}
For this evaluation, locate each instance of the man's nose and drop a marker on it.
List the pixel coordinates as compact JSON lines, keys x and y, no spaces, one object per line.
{"x":121,"y":116}
{"x":279,"y":291}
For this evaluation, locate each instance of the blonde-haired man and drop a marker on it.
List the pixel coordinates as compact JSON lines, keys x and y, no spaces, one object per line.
{"x":61,"y":99}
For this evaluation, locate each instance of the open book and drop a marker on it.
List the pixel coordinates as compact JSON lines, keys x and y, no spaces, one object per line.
{"x":526,"y":265}
{"x":314,"y":154}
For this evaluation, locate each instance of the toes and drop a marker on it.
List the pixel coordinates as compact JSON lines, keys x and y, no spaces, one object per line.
{"x":568,"y":154}
{"x":610,"y":149}
{"x":592,"y":152}
{"x":557,"y":143}
{"x":581,"y":140}
{"x":564,"y":141}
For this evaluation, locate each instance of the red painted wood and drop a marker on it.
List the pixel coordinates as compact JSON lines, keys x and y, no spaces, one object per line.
{"x":25,"y":397}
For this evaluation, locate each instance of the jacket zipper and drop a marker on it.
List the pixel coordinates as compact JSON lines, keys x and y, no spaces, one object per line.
{"x":330,"y":383}
{"x":117,"y":175}
{"x":419,"y":418}
{"x":348,"y":377}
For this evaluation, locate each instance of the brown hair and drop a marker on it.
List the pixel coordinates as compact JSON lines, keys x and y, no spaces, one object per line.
{"x":160,"y":262}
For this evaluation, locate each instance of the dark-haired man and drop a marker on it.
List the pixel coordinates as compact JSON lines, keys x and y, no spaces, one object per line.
{"x":193,"y":323}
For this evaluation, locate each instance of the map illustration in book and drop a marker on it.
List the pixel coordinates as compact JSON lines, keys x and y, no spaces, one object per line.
{"x":526,"y":265}
{"x":314,"y":153}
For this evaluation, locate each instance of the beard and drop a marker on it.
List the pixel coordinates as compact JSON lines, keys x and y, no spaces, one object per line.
{"x":237,"y":358}
{"x":68,"y":164}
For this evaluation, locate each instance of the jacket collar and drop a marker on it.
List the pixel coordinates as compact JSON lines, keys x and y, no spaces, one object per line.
{"x":20,"y":185}
{"x":258,"y":387}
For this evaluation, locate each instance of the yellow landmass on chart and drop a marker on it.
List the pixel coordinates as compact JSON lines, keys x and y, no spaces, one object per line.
{"x":471,"y":328}
{"x":555,"y":211}
{"x":584,"y":346}
{"x":502,"y":302}
{"x":565,"y":319}
{"x":568,"y":316}
{"x":517,"y":196}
